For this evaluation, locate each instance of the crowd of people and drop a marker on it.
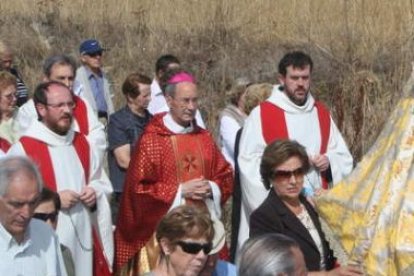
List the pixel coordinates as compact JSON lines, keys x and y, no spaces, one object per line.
{"x":141,"y":190}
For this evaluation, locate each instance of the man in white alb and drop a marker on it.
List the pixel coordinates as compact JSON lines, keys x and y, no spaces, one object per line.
{"x":70,"y":168}
{"x":290,"y":112}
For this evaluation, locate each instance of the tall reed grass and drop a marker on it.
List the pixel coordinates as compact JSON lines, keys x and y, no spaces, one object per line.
{"x":362,"y":48}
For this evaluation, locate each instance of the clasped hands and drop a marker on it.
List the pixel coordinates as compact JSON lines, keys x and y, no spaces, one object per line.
{"x":196,"y":189}
{"x":69,"y":198}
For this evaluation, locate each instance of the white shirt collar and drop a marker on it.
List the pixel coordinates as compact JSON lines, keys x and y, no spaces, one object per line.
{"x":174,"y":127}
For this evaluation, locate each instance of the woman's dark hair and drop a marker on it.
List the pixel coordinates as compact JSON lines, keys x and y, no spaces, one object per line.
{"x":276,"y":154}
{"x":130,"y":86}
{"x":296,"y":59}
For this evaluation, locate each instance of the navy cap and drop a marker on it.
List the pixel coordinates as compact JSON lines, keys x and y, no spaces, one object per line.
{"x":90,"y":46}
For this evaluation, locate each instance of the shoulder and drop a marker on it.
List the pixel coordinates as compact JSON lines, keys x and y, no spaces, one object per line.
{"x":41,"y":232}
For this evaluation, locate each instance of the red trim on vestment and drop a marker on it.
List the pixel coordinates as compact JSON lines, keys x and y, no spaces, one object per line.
{"x":80,"y":113}
{"x":4,"y":145}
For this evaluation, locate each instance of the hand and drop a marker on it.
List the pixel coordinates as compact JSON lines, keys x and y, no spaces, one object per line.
{"x":88,"y":196}
{"x":68,"y":198}
{"x":321,"y":162}
{"x":196,"y":189}
{"x":319,"y":192}
{"x":349,"y":270}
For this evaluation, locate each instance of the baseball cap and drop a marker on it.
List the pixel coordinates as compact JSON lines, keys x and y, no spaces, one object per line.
{"x":90,"y":46}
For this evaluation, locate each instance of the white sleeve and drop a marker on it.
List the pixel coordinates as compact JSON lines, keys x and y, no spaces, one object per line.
{"x":97,"y":135}
{"x":228,"y":131}
{"x":340,"y":159}
{"x":251,"y":149}
{"x":25,"y":116}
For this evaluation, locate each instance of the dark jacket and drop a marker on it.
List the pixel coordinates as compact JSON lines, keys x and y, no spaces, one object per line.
{"x":273,"y":216}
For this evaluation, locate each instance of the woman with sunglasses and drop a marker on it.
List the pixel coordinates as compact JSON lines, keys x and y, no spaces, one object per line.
{"x":286,"y":211}
{"x":185,"y":237}
{"x":47,"y":210}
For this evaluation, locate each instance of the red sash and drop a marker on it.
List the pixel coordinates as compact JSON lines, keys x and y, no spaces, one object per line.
{"x":80,"y":113}
{"x":4,"y":145}
{"x":39,"y":153}
{"x":274,"y":126}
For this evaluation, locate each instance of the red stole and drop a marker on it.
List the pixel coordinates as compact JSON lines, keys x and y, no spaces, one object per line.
{"x":274,"y":126}
{"x":4,"y":145}
{"x":39,"y":152}
{"x":80,"y":113}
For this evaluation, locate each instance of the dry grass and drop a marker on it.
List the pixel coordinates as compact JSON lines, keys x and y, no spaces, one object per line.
{"x":362,"y":48}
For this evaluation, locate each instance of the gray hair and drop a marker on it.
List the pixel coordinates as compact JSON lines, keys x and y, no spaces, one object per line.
{"x":13,"y":165}
{"x":267,"y":255}
{"x":58,"y":59}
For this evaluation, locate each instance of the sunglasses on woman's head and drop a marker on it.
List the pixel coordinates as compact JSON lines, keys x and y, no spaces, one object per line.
{"x":46,"y":216}
{"x":194,"y":247}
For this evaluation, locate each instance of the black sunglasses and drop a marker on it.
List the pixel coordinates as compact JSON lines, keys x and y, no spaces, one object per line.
{"x":194,"y":247}
{"x":45,"y":217}
{"x":94,"y":54}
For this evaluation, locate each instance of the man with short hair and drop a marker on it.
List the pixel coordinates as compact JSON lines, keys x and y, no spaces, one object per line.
{"x":62,"y":68}
{"x":158,"y":103}
{"x":70,"y":167}
{"x":96,"y":87}
{"x":27,"y":246}
{"x":290,"y":112}
{"x":175,"y":162}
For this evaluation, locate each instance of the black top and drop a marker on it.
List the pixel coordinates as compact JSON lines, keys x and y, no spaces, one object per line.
{"x":273,"y":216}
{"x":124,"y":127}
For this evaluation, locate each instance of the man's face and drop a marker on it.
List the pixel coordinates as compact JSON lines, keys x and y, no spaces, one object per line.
{"x":144,"y":97}
{"x":57,"y":114}
{"x":93,"y":60}
{"x":6,"y":60}
{"x":63,"y":74}
{"x":184,"y":104}
{"x":18,"y":204}
{"x":296,"y":84}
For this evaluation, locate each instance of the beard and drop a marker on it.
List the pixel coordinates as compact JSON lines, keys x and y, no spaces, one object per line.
{"x":61,"y":126}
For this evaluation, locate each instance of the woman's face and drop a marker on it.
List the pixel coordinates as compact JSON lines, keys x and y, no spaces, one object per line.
{"x":288,"y":178}
{"x":8,"y":100}
{"x":188,"y":264}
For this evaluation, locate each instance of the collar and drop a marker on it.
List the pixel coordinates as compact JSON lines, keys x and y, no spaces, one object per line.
{"x":279,"y":98}
{"x":91,"y":74}
{"x":174,"y":127}
{"x":41,"y":132}
{"x":9,"y":241}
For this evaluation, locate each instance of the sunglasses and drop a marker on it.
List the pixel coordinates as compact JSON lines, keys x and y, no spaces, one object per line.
{"x":194,"y":247}
{"x":284,"y":175}
{"x":45,"y":217}
{"x":95,"y":54}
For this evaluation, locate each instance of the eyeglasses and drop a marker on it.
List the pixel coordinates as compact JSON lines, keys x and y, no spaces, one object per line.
{"x":71,"y":105}
{"x":284,"y":175}
{"x":45,"y":217}
{"x":11,"y":96}
{"x":194,"y":247}
{"x":95,"y":54}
